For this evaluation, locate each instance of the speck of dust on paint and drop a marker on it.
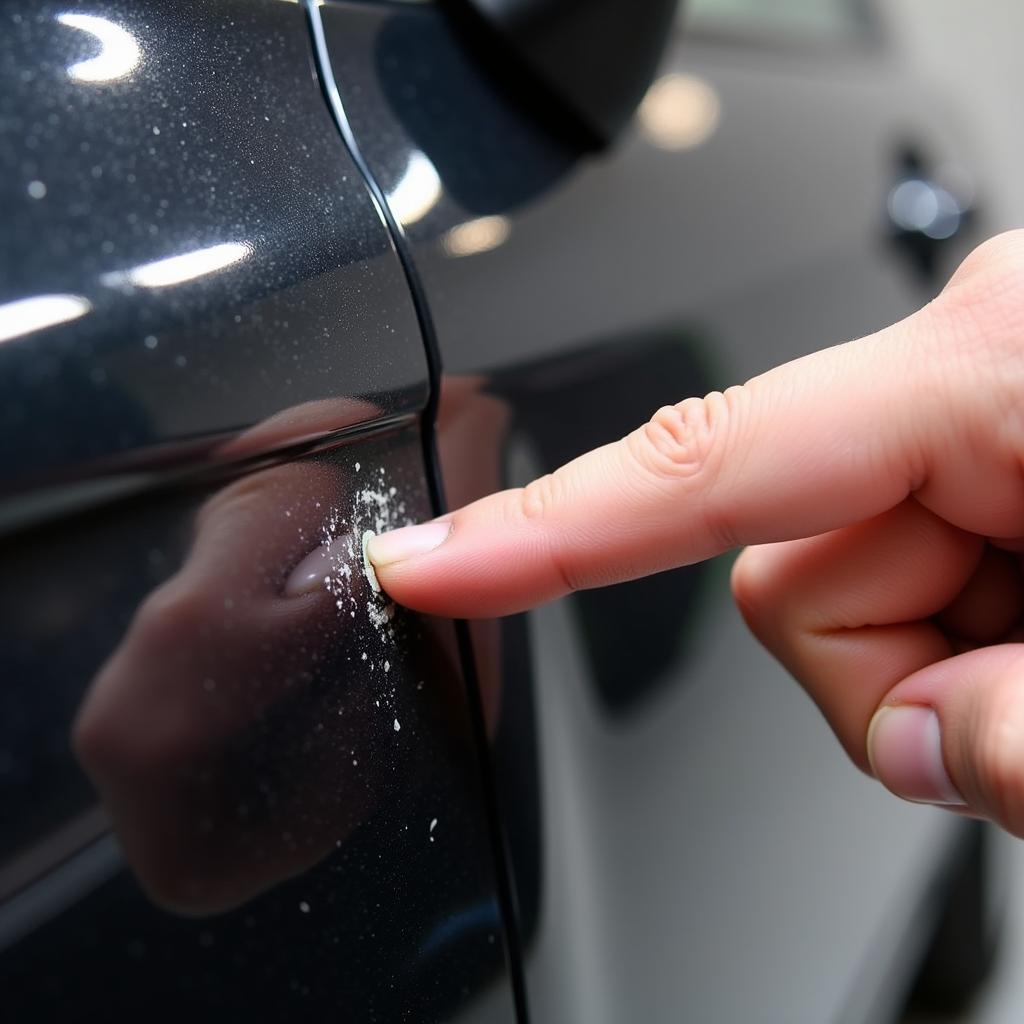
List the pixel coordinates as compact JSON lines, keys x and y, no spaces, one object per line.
{"x":374,"y":510}
{"x":369,"y":615}
{"x":304,"y":907}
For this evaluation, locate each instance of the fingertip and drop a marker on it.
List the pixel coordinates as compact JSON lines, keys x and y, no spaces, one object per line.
{"x":382,"y":550}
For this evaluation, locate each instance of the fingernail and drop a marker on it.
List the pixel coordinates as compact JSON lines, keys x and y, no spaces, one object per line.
{"x":407,"y":542}
{"x":905,"y":751}
{"x":310,"y":574}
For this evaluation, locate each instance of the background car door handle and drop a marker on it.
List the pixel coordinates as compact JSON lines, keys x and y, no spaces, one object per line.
{"x":924,"y":215}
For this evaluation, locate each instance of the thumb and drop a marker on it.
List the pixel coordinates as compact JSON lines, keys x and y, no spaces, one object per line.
{"x":953,"y":733}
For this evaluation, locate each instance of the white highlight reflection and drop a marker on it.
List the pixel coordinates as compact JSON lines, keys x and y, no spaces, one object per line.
{"x":178,"y":269}
{"x":120,"y":53}
{"x":923,"y":206}
{"x":476,"y":236}
{"x":680,"y":112}
{"x":27,"y":315}
{"x":416,"y":192}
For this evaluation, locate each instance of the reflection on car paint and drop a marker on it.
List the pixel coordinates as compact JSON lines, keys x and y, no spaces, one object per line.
{"x":416,"y":192}
{"x":186,"y":266}
{"x":481,"y":234}
{"x":270,"y":760}
{"x":24,"y":316}
{"x":119,"y":50}
{"x":223,"y":648}
{"x":188,"y":248}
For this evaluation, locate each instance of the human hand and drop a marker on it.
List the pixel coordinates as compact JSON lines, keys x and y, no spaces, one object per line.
{"x":881,"y":481}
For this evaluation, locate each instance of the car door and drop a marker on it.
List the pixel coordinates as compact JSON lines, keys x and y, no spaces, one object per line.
{"x":237,"y":783}
{"x":686,"y":840}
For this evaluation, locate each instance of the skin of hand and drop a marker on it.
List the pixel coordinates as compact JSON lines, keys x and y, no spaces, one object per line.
{"x":880,"y":483}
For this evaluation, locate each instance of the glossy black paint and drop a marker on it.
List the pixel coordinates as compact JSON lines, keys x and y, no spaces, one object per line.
{"x":684,"y":840}
{"x":295,"y":778}
{"x":213,"y":159}
{"x":234,"y":782}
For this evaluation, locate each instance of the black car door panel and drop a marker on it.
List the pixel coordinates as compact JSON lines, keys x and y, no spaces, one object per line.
{"x":235,"y":781}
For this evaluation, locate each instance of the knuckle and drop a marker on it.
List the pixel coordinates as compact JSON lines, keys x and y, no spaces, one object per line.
{"x":983,"y":303}
{"x":539,"y":497}
{"x":998,"y":255}
{"x":754,"y":586}
{"x":537,"y":502}
{"x":687,"y":444}
{"x":681,"y":441}
{"x":972,"y":338}
{"x":174,"y":613}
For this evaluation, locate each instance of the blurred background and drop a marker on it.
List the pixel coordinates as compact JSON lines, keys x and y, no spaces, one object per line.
{"x":967,"y":53}
{"x":970,"y":55}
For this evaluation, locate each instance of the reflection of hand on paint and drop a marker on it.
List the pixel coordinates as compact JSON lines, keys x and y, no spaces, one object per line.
{"x":882,"y":482}
{"x":191,"y":729}
{"x":471,"y":426}
{"x":233,"y":735}
{"x":311,"y":421}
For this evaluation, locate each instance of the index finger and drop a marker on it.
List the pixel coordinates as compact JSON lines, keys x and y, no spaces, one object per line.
{"x":822,"y":442}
